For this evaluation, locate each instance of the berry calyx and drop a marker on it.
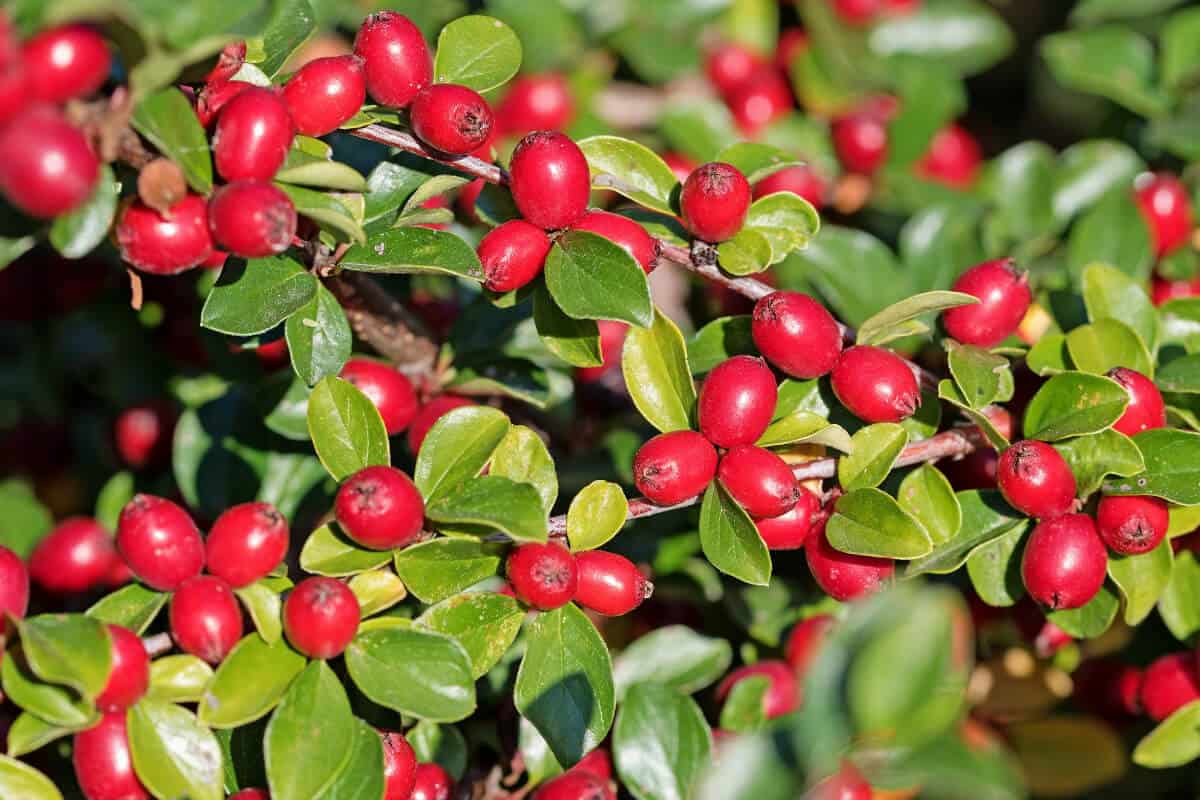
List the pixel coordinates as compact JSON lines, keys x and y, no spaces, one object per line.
{"x":399,"y":766}
{"x":790,"y":530}
{"x":396,"y":59}
{"x":729,"y":65}
{"x":573,"y":785}
{"x":451,"y":118}
{"x":47,"y":167}
{"x":1036,"y":480}
{"x":246,"y":543}
{"x":1132,"y":525}
{"x":103,"y":763}
{"x":512,"y":255}
{"x":624,"y":232}
{"x":66,"y":62}
{"x":1004,"y":297}
{"x":1163,"y":200}
{"x":549,"y":179}
{"x":536,"y":103}
{"x":1169,"y":684}
{"x":254,"y":133}
{"x":543,"y":576}
{"x":714,"y":201}
{"x":783,"y":692}
{"x":75,"y":557}
{"x":804,"y":642}
{"x":1064,"y":562}
{"x":609,"y":583}
{"x":431,"y":783}
{"x":320,"y":617}
{"x":796,"y":334}
{"x":129,"y":672}
{"x":167,"y":243}
{"x":760,"y":481}
{"x":429,"y":414}
{"x":142,"y":434}
{"x":387,"y":388}
{"x":737,"y":401}
{"x":844,"y":576}
{"x":953,"y":158}
{"x":380,"y":508}
{"x":205,"y":618}
{"x":159,"y":542}
{"x":674,"y":467}
{"x":860,"y":140}
{"x":325,"y":93}
{"x":875,"y":385}
{"x":801,"y":180}
{"x":14,"y":586}
{"x":1146,"y":409}
{"x":252,"y":219}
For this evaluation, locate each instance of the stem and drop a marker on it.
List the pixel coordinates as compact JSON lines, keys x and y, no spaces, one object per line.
{"x":383,"y":322}
{"x":157,"y":644}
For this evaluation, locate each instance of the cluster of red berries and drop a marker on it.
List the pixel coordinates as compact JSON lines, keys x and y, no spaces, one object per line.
{"x":754,"y":88}
{"x":590,"y":779}
{"x":548,"y":576}
{"x":1166,"y":208}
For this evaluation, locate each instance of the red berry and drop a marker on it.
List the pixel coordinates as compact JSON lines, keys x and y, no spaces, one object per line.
{"x":1132,"y":525}
{"x":1035,"y":479}
{"x":429,"y":414}
{"x":159,"y":542}
{"x":680,"y":165}
{"x":143,"y":434}
{"x":320,"y":617}
{"x":324,"y":93}
{"x":623,"y":231}
{"x":737,"y":401}
{"x":609,"y":583}
{"x":387,"y":388}
{"x":103,"y":763}
{"x":674,"y":467}
{"x":129,"y":673}
{"x":549,"y":180}
{"x":800,"y":180}
{"x":14,"y":89}
{"x":380,"y":508}
{"x":789,"y":531}
{"x":512,"y":255}
{"x":612,"y":339}
{"x":759,"y":480}
{"x":231,"y":59}
{"x":1004,"y":297}
{"x":901,"y":7}
{"x":14,"y":586}
{"x":783,"y":693}
{"x":1169,"y":684}
{"x":953,"y":158}
{"x":467,"y":196}
{"x":395,"y":58}
{"x":74,"y":557}
{"x":246,"y":543}
{"x":1146,"y":408}
{"x":1064,"y":562}
{"x":47,"y":167}
{"x":66,"y":62}
{"x":796,"y":334}
{"x":536,"y":103}
{"x":857,"y":12}
{"x":432,"y":783}
{"x":255,"y":794}
{"x":214,"y":97}
{"x":804,"y":642}
{"x":729,"y":65}
{"x":875,"y":385}
{"x":759,"y":101}
{"x":1167,"y":209}
{"x":452,"y":119}
{"x":792,"y":42}
{"x":254,"y":133}
{"x":544,"y":576}
{"x":573,"y":785}
{"x":841,"y":575}
{"x":1162,"y":290}
{"x":714,"y":202}
{"x":252,"y":219}
{"x":205,"y":618}
{"x":861,"y":142}
{"x":399,"y":766}
{"x":165,"y":244}
{"x":845,"y":784}
{"x":597,"y":763}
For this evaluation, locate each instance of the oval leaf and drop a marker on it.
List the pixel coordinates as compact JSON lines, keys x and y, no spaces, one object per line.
{"x":419,"y":673}
{"x":661,"y":743}
{"x":414,"y":250}
{"x":346,"y":429}
{"x":630,"y":169}
{"x":592,"y":278}
{"x":873,"y":451}
{"x":252,"y":297}
{"x":1072,"y":404}
{"x":869,"y":522}
{"x":477,"y":51}
{"x":595,"y":515}
{"x":730,"y":540}
{"x":484,"y":623}
{"x":457,"y":447}
{"x":310,"y":736}
{"x":175,"y":756}
{"x":655,"y":365}
{"x":249,"y":682}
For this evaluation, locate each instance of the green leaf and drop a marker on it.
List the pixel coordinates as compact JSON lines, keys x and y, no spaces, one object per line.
{"x":1112,"y":232}
{"x":477,"y":51}
{"x":595,"y":516}
{"x":930,"y":98}
{"x":937,"y":240}
{"x":873,"y":451}
{"x":1172,"y":459}
{"x":757,"y":160}
{"x":440,"y":568}
{"x":249,"y":682}
{"x":457,"y":447}
{"x":77,"y":233}
{"x":948,"y":391}
{"x":52,"y":703}
{"x":179,"y":679}
{"x":869,"y":522}
{"x":484,"y":623}
{"x":113,"y":495}
{"x":744,"y":709}
{"x":29,"y":733}
{"x":133,"y":606}
{"x":439,"y":744}
{"x":174,"y":755}
{"x":787,"y":220}
{"x":265,"y":607}
{"x":1090,"y":620}
{"x":1179,"y":605}
{"x":489,"y":376}
{"x":729,"y":539}
{"x":1072,"y":404}
{"x":927,"y":496}
{"x":319,"y":338}
{"x":1108,"y":343}
{"x":418,"y":673}
{"x":1109,"y":293}
{"x":510,"y":507}
{"x":70,"y":649}
{"x":252,"y":297}
{"x":995,"y":569}
{"x":747,"y":253}
{"x":377,"y":590}
{"x":805,"y":426}
{"x":18,"y":779}
{"x":522,"y":456}
{"x":327,"y":551}
{"x":169,"y":122}
{"x":1088,"y":171}
{"x":362,"y":775}
{"x":1049,"y":355}
{"x":630,"y":169}
{"x":1141,"y":579}
{"x":1174,"y":742}
{"x":655,"y":365}
{"x":719,"y":340}
{"x":1020,"y":181}
{"x":674,"y":656}
{"x":1181,"y":375}
{"x":334,"y":213}
{"x":876,"y":329}
{"x":854,"y":294}
{"x":565,"y":684}
{"x":985,"y":517}
{"x":1111,"y":61}
{"x":319,"y":170}
{"x":310,"y":736}
{"x":412,"y":251}
{"x":982,"y":378}
{"x":290,"y":26}
{"x":1178,"y":62}
{"x":346,"y":429}
{"x":661,"y":743}
{"x":592,"y":278}
{"x":1097,"y":455}
{"x":576,"y":341}
{"x":959,"y":35}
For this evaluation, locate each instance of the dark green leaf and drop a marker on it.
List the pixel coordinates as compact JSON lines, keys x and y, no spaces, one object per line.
{"x":340,"y":215}
{"x":948,"y":391}
{"x":630,"y":169}
{"x":592,"y":278}
{"x":656,"y":371}
{"x":414,"y":250}
{"x":1097,"y":455}
{"x":457,"y":447}
{"x":730,"y":540}
{"x":362,"y":776}
{"x":1072,"y":404}
{"x":419,"y":673}
{"x":718,"y":340}
{"x":439,"y":744}
{"x":576,"y":341}
{"x":510,"y":507}
{"x":1088,"y":171}
{"x":995,"y":569}
{"x":319,"y":338}
{"x":1181,"y":375}
{"x":1110,"y":293}
{"x":661,"y":743}
{"x":440,"y":568}
{"x":959,"y":35}
{"x":1172,"y":459}
{"x":1111,"y":61}
{"x":674,"y":656}
{"x":346,"y":429}
{"x":252,"y":297}
{"x":310,"y":736}
{"x":290,"y":26}
{"x":982,"y":377}
{"x":169,"y":122}
{"x":76,"y":234}
{"x":743,"y":711}
{"x":1111,"y":232}
{"x":756,"y":160}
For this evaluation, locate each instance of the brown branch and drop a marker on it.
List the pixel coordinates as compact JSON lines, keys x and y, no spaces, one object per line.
{"x":383,"y":322}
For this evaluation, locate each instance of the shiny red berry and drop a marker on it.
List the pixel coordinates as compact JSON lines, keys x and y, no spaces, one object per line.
{"x":75,"y":557}
{"x":536,"y":103}
{"x":320,"y":617}
{"x":860,"y":140}
{"x":14,"y":586}
{"x":674,"y":467}
{"x":512,"y":254}
{"x":1146,"y":409}
{"x":395,"y":58}
{"x":623,"y":231}
{"x":429,"y":414}
{"x":380,"y":508}
{"x":431,"y":783}
{"x":544,"y":576}
{"x":796,"y":334}
{"x":399,"y":766}
{"x":1132,"y":525}
{"x":66,"y":62}
{"x":387,"y":388}
{"x":597,"y":763}
{"x":759,"y":480}
{"x":574,"y":785}
{"x":550,"y":181}
{"x":142,"y":434}
{"x":103,"y":762}
{"x":1169,"y":684}
{"x":609,"y":583}
{"x":729,"y":65}
{"x":129,"y":673}
{"x":804,"y":642}
{"x":841,"y":575}
{"x":15,"y":92}
{"x":168,"y":243}
{"x":1162,"y":290}
{"x":47,"y":167}
{"x":1035,"y":479}
{"x":325,"y":93}
{"x":783,"y":693}
{"x":737,"y":401}
{"x":1167,"y":209}
{"x":246,"y":543}
{"x":255,"y":794}
{"x":875,"y":385}
{"x":714,"y":202}
{"x":790,"y":530}
{"x":214,"y":97}
{"x":159,"y":542}
{"x":681,"y":166}
{"x":252,"y":219}
{"x":231,"y":59}
{"x":1064,"y":562}
{"x":845,"y":784}
{"x":205,"y":618}
{"x":451,"y":118}
{"x":1004,"y":297}
{"x":762,"y":99}
{"x":801,"y":180}
{"x":254,"y":133}
{"x":612,"y":340}
{"x":953,"y":158}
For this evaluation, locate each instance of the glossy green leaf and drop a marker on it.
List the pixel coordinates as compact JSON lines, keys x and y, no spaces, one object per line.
{"x":319,"y":172}
{"x":655,"y":365}
{"x":249,"y":682}
{"x":29,"y":733}
{"x":995,"y":569}
{"x":413,"y":250}
{"x":592,"y":278}
{"x":630,"y":169}
{"x":416,"y":672}
{"x":1110,"y":293}
{"x":457,"y":447}
{"x":982,"y":378}
{"x":1111,"y":232}
{"x":856,"y":294}
{"x":1108,"y":343}
{"x":927,"y":496}
{"x":1088,"y":171}
{"x":510,"y":507}
{"x":174,"y":755}
{"x":179,"y":679}
{"x":1049,"y":355}
{"x":787,"y":220}
{"x":265,"y":607}
{"x":169,"y":122}
{"x":1072,"y":404}
{"x":346,"y":429}
{"x":522,"y":456}
{"x":484,"y":623}
{"x":873,"y":452}
{"x":19,"y":780}
{"x":756,"y":160}
{"x":340,"y":215}
{"x":440,"y":568}
{"x":1141,"y":579}
{"x":661,"y":743}
{"x":1172,"y":459}
{"x":1182,"y":375}
{"x":1174,"y":742}
{"x":70,"y":649}
{"x":719,"y":340}
{"x":743,"y":711}
{"x":319,"y":338}
{"x":869,"y":522}
{"x":747,"y":253}
{"x":1020,"y":181}
{"x":959,"y":35}
{"x":488,"y":376}
{"x":1097,"y":455}
{"x":1179,"y":605}
{"x":1090,"y":620}
{"x":875,"y":329}
{"x":328,"y":551}
{"x":576,"y":341}
{"x":948,"y":391}
{"x":290,"y":27}
{"x":596,"y":514}
{"x":477,"y":51}
{"x":252,"y":297}
{"x":132,"y":606}
{"x":362,"y":776}
{"x":50,"y":702}
{"x":805,"y":426}
{"x":77,"y":233}
{"x":730,"y":540}
{"x":310,"y":736}
{"x":675,"y":656}
{"x":439,"y":744}
{"x":1110,"y":61}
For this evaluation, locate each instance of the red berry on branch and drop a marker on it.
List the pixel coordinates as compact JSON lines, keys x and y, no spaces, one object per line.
{"x":789,"y":531}
{"x":783,"y":692}
{"x":380,"y":508}
{"x":953,"y":158}
{"x":1146,"y":409}
{"x":1004,"y":297}
{"x":395,"y":58}
{"x":254,"y":133}
{"x":549,"y":179}
{"x":387,"y":388}
{"x":103,"y":762}
{"x":729,"y":65}
{"x":804,"y":642}
{"x":14,"y":586}
{"x":47,"y":167}
{"x":801,"y":180}
{"x":609,"y":583}
{"x":841,"y":575}
{"x":737,"y":401}
{"x":512,"y":255}
{"x":860,"y":140}
{"x":246,"y":543}
{"x":159,"y":542}
{"x":759,"y":101}
{"x":205,"y":618}
{"x":536,"y":103}
{"x":66,"y":62}
{"x":320,"y":617}
{"x":875,"y":385}
{"x":129,"y":671}
{"x":674,"y":467}
{"x":714,"y":202}
{"x":432,"y":783}
{"x":622,"y":231}
{"x":1169,"y":684}
{"x":214,"y":97}
{"x":143,"y":434}
{"x":845,"y":784}
{"x":573,"y":785}
{"x":760,"y":481}
{"x":796,"y":334}
{"x":1167,"y":209}
{"x":1036,"y":480}
{"x":77,"y":556}
{"x":252,"y":219}
{"x":325,"y":93}
{"x":1064,"y":562}
{"x":165,"y":244}
{"x":612,"y":339}
{"x":399,"y":766}
{"x":1132,"y":525}
{"x":429,"y":414}
{"x":544,"y":576}
{"x":451,"y":118}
